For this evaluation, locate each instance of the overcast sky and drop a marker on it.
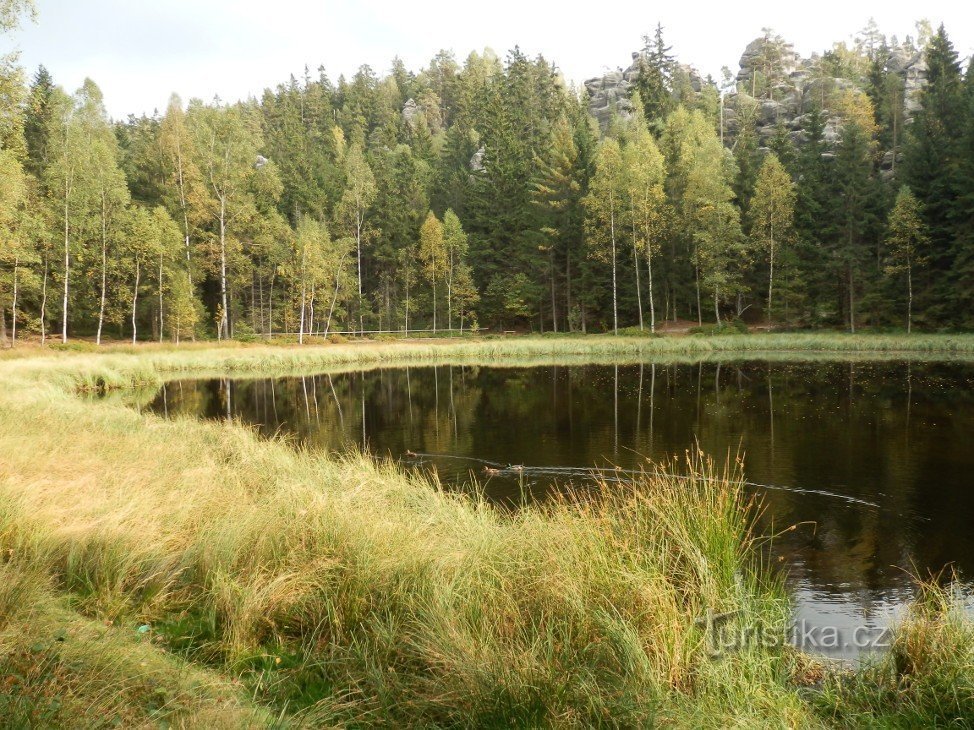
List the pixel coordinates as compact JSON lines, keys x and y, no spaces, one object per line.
{"x":139,"y":52}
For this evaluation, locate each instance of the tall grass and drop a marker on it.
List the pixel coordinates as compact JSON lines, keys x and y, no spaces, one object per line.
{"x":174,"y":570}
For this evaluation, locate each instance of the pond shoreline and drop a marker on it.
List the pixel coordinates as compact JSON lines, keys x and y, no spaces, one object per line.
{"x":281,"y":584}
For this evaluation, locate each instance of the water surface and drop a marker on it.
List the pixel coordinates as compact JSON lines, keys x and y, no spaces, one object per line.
{"x":873,"y":461}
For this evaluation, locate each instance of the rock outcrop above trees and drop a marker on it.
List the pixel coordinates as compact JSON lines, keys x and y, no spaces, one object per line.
{"x":774,"y":86}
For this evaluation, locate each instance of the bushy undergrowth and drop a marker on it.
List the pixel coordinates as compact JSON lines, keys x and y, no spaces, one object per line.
{"x":733,"y":327}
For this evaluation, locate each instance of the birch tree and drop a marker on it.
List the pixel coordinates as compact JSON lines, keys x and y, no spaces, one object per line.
{"x":184,"y":181}
{"x":456,"y":246}
{"x":13,"y":190}
{"x":63,"y":176}
{"x":226,"y":143}
{"x":352,"y":209}
{"x":105,"y":186}
{"x":772,"y":214}
{"x":603,"y":207}
{"x":711,"y":218}
{"x":432,"y":254}
{"x":644,"y":175}
{"x":311,"y":242}
{"x":149,"y":235}
{"x":907,"y":238}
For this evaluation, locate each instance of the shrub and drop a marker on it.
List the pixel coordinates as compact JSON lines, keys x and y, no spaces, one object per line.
{"x":732,"y":327}
{"x":636,"y":332}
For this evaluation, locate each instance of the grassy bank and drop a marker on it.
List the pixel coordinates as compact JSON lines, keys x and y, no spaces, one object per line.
{"x":85,"y":366}
{"x":190,"y":573}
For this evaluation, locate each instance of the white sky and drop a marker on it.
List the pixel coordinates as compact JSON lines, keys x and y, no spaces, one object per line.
{"x":139,"y":52}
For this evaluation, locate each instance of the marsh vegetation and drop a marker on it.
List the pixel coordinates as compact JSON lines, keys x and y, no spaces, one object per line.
{"x":184,"y":571}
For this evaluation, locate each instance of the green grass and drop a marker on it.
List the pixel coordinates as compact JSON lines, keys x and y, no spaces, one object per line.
{"x":192,"y":574}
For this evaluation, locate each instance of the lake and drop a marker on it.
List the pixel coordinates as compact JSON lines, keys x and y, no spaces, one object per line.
{"x":873,"y":461}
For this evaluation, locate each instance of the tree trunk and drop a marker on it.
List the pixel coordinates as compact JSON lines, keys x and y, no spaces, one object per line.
{"x":434,"y":302}
{"x":13,"y":312}
{"x":184,"y":206}
{"x":104,"y":269}
{"x":554,"y":308}
{"x":162,"y":320}
{"x":67,"y":273}
{"x":909,"y":301}
{"x":44,"y":303}
{"x":449,"y":296}
{"x":649,"y":274}
{"x":358,"y":244}
{"x":852,"y":303}
{"x":635,"y":261}
{"x":615,"y":298}
{"x":771,"y":277}
{"x":311,"y":311}
{"x":260,"y":295}
{"x":135,"y":300}
{"x":270,"y":309}
{"x":304,"y":294}
{"x":696,"y":270}
{"x":334,"y":299}
{"x":223,"y":330}
{"x":568,"y":289}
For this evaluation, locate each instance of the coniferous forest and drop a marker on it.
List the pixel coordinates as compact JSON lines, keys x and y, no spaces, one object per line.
{"x":485,"y":193}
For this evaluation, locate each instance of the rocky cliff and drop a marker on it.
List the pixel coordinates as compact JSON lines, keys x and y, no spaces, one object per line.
{"x":774,"y":84}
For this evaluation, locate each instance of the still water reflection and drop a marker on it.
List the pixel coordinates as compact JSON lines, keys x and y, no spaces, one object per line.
{"x":874,"y":460}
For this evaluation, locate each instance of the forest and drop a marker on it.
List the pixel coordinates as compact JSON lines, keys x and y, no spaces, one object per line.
{"x":486,"y":195}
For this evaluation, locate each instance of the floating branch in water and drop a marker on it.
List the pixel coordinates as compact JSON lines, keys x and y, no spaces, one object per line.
{"x":618,"y":474}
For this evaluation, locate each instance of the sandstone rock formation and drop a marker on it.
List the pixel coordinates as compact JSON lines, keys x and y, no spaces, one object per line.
{"x":609,"y":94}
{"x":774,"y":84}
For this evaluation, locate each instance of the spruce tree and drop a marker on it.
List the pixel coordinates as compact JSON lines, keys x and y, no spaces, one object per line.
{"x":37,"y":120}
{"x":931,"y":158}
{"x":653,"y":84}
{"x":856,"y":194}
{"x":962,"y":214}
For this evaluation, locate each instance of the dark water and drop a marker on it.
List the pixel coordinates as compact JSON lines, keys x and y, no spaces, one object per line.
{"x":873,"y":461}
